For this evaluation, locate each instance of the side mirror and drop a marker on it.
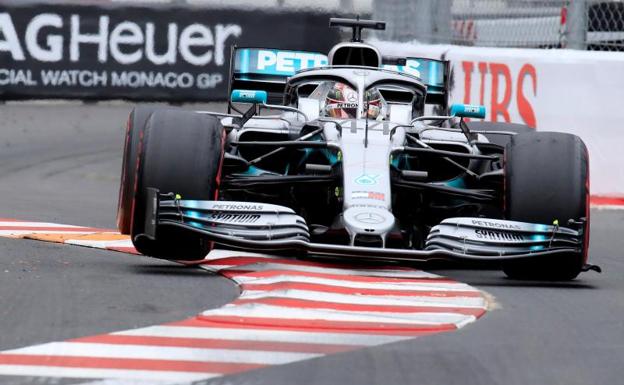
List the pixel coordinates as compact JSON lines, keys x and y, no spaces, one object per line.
{"x":467,"y":111}
{"x":249,"y":96}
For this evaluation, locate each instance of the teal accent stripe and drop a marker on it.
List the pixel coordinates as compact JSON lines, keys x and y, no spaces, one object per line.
{"x":456,"y":182}
{"x":244,"y":61}
{"x":433,"y":73}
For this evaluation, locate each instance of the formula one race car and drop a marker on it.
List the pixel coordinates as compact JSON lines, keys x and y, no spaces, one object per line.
{"x":347,"y":163}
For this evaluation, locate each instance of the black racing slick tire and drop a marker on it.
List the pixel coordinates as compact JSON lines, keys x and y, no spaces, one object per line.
{"x":547,"y":179}
{"x":134,"y":130}
{"x":501,"y":140}
{"x":179,"y":152}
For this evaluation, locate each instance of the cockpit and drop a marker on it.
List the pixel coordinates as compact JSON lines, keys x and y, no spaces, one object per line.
{"x":341,"y":101}
{"x":353,"y":81}
{"x":352,"y":92}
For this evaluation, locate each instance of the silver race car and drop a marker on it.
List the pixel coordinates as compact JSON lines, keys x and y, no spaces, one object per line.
{"x":353,"y":154}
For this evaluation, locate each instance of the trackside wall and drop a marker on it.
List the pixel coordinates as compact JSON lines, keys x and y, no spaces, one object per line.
{"x":580,"y":92}
{"x":142,"y":51}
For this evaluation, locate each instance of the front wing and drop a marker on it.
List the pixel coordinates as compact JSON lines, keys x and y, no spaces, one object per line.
{"x":272,"y":228}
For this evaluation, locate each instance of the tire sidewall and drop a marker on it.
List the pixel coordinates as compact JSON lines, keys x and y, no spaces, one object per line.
{"x":547,"y":179}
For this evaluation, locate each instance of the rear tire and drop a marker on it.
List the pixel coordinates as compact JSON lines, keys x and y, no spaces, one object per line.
{"x":547,"y":179}
{"x":179,"y":151}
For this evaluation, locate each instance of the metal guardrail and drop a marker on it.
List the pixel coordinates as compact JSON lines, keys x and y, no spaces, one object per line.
{"x":577,"y":24}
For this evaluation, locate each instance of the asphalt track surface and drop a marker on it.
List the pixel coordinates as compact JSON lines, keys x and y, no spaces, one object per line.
{"x":60,"y":163}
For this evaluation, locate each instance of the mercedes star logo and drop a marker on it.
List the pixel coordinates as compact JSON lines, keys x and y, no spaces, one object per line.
{"x":370,"y":218}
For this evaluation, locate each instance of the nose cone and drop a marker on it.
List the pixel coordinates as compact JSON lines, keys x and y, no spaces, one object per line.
{"x":368,"y":220}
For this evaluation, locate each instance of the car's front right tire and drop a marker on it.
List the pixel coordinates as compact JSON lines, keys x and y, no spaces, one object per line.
{"x":181,"y":152}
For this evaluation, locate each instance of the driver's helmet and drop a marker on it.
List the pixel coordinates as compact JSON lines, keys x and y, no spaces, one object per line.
{"x":342,"y":102}
{"x":376,"y":104}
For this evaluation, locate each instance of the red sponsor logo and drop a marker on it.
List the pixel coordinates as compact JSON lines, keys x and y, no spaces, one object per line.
{"x":378,"y":196}
{"x":368,"y":195}
{"x":501,"y":98}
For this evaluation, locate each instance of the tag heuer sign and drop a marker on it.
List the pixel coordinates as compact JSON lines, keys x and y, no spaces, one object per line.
{"x":159,"y":52}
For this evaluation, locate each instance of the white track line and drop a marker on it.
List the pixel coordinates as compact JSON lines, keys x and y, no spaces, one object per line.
{"x":100,"y":244}
{"x":263,"y":335}
{"x":268,"y":266}
{"x":28,"y":232}
{"x":220,"y":253}
{"x":65,"y":372}
{"x":461,"y":302}
{"x":607,"y":207}
{"x":36,"y":224}
{"x":403,"y":286}
{"x":258,"y":310}
{"x":118,"y":381}
{"x":81,"y":349}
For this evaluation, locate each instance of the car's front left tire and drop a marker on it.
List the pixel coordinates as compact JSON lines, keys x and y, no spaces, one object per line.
{"x":546,"y":180}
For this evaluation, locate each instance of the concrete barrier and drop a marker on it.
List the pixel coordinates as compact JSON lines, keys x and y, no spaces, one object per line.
{"x":580,"y":92}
